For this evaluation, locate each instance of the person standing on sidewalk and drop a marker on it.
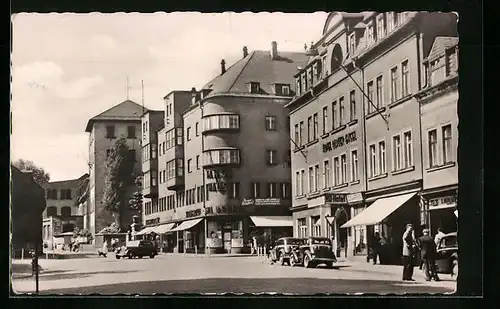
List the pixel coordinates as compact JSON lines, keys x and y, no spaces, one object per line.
{"x":438,"y":236}
{"x":428,"y":254}
{"x":376,"y":247}
{"x":409,"y":245}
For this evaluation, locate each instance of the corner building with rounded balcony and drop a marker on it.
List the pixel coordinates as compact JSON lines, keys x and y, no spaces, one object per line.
{"x":356,"y":156}
{"x":231,"y":180}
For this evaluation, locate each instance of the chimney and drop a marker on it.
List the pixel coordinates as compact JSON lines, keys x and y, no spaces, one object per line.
{"x":222,"y":67}
{"x":245,"y":51}
{"x":274,"y":50}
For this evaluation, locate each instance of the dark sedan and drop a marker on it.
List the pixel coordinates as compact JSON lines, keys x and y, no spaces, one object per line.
{"x":447,"y":255}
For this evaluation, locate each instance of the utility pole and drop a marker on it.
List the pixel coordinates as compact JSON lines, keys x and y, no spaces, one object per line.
{"x":128,"y":89}
{"x":142,"y":92}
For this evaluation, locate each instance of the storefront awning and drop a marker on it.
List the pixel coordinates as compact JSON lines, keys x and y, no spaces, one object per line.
{"x":145,"y":231}
{"x":186,"y":225}
{"x":274,"y":221}
{"x":379,"y":210}
{"x":443,"y":206}
{"x":164,"y":228}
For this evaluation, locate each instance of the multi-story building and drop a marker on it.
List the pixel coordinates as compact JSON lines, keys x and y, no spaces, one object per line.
{"x":362,"y":120}
{"x":63,"y":214}
{"x":122,"y":120}
{"x":439,"y":114}
{"x":227,"y":156}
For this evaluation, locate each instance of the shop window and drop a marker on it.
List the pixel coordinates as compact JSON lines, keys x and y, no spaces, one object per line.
{"x":302,"y":228}
{"x":316,"y":226}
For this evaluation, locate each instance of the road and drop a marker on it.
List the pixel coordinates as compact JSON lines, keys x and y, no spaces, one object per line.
{"x":187,"y":274}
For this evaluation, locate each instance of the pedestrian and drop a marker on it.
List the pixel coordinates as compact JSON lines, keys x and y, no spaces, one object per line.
{"x":105,"y":248}
{"x":383,"y":248}
{"x":428,"y":255}
{"x":255,"y":244}
{"x":438,"y":236}
{"x":409,"y":246}
{"x":376,"y":247}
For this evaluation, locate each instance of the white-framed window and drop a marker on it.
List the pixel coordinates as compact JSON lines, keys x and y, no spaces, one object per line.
{"x":214,"y":122}
{"x":301,"y":133}
{"x":343,"y":168}
{"x":336,"y":171}
{"x":302,"y":181}
{"x":325,"y":119}
{"x":381,"y":26}
{"x":379,"y":91}
{"x":255,"y":188}
{"x":372,"y":159}
{"x":298,"y":85}
{"x":302,"y":227}
{"x":315,"y":126}
{"x":303,"y":79}
{"x":316,"y":226}
{"x":323,"y":65}
{"x":154,"y":178}
{"x":370,"y":102}
{"x":382,"y":161}
{"x":370,"y":35}
{"x":309,"y":129}
{"x":352,"y":104}
{"x":341,"y":111}
{"x":405,"y":78}
{"x":390,"y":22}
{"x":311,"y":180}
{"x":296,"y":134}
{"x":397,"y":159}
{"x":198,"y":162}
{"x":408,"y":149}
{"x":335,"y":115}
{"x":271,"y":157}
{"x":190,"y":170}
{"x":354,"y":165}
{"x":180,"y":167}
{"x":326,"y":174}
{"x":316,"y":177}
{"x":447,"y":144}
{"x":352,"y":43}
{"x":180,"y":133}
{"x":433,"y":147}
{"x":272,"y":190}
{"x":285,"y":90}
{"x":188,"y":133}
{"x":297,"y":184}
{"x":310,"y":77}
{"x":394,"y":84}
{"x":271,"y":123}
{"x":197,"y":129}
{"x":221,"y":156}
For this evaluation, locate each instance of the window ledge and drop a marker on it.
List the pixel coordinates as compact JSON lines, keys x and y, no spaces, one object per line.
{"x":300,"y":196}
{"x":408,"y":169}
{"x":384,"y":175}
{"x":352,"y":122}
{"x":400,"y":100}
{"x":325,"y":135}
{"x":440,"y":167}
{"x":326,"y":189}
{"x":313,"y":194}
{"x":340,"y":186}
{"x":296,"y":149}
{"x":338,"y":129}
{"x":312,"y":142}
{"x":372,"y":114}
{"x":356,"y":182}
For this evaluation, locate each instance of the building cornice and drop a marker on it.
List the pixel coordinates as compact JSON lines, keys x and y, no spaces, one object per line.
{"x":444,"y":87}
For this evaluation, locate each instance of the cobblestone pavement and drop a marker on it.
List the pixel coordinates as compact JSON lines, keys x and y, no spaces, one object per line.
{"x":188,"y":274}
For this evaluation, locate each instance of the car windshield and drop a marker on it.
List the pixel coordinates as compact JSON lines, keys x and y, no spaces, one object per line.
{"x":449,"y":242}
{"x":294,"y":241}
{"x":321,"y":241}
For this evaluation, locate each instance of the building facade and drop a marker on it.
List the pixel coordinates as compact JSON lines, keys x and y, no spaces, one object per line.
{"x":122,"y":120}
{"x":438,"y":104}
{"x":362,"y":123}
{"x":226,"y":174}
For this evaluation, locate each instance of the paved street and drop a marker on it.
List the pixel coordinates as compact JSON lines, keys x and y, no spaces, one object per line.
{"x":190,"y":274}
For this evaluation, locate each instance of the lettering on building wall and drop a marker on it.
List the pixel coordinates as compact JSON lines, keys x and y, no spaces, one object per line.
{"x":444,"y":200}
{"x":340,"y":141}
{"x":336,"y":198}
{"x":153,"y":221}
{"x":261,"y":201}
{"x":193,"y":213}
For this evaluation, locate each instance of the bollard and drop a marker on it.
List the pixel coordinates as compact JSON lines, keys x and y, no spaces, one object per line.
{"x":22,"y":254}
{"x":196,"y":250}
{"x":265,"y":254}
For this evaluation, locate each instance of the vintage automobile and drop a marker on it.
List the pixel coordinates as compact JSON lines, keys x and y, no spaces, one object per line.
{"x":312,"y":252}
{"x":447,"y":255}
{"x":137,"y":248}
{"x":281,"y":251}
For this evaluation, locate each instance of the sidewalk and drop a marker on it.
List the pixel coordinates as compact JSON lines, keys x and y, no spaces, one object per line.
{"x":203,"y":255}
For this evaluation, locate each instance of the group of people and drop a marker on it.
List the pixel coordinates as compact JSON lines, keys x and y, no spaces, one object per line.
{"x":427,"y":246}
{"x":378,"y":245}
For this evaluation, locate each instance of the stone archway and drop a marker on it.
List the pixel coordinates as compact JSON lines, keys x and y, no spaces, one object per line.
{"x":341,"y":218}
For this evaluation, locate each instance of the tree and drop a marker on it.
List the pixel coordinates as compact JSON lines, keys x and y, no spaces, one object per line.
{"x":40,"y":176}
{"x":118,"y":177}
{"x":135,"y":203}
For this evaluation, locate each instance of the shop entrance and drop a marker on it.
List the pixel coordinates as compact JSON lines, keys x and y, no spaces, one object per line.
{"x":341,"y":234}
{"x":444,"y":219}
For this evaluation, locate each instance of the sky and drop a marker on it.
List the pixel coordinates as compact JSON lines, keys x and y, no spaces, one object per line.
{"x":67,"y":68}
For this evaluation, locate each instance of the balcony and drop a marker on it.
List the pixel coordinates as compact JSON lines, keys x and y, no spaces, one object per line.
{"x":150,"y":192}
{"x":221,"y":157}
{"x":175,"y":183}
{"x":221,"y":122}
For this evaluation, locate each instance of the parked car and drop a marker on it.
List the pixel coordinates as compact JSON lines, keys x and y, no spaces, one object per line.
{"x":281,"y":251}
{"x":447,"y":255}
{"x":313,"y":252}
{"x":137,"y":248}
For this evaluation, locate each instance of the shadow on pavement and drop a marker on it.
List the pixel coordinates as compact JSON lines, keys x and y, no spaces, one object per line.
{"x":297,"y":286}
{"x":67,"y":274}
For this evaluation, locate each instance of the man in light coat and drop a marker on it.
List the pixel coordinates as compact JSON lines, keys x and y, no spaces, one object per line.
{"x":409,"y":244}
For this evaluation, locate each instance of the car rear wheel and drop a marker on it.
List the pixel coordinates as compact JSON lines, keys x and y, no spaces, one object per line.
{"x":117,"y":257}
{"x":307,"y":261}
{"x":329,"y":264}
{"x":130,"y":255}
{"x":152,"y":255}
{"x":281,"y":259}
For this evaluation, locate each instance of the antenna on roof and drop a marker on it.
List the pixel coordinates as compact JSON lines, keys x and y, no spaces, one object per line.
{"x":142,"y":90}
{"x":128,"y":89}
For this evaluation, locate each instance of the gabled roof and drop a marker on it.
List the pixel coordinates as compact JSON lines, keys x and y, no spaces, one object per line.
{"x":126,"y":110}
{"x":259,"y":67}
{"x":440,"y":45}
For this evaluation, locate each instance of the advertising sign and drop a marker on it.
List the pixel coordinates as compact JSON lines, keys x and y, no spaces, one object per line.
{"x":340,"y":141}
{"x":261,"y":201}
{"x":336,"y":198}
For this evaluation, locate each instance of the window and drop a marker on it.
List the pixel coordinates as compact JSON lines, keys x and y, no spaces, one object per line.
{"x":233,"y":190}
{"x":317,"y":70}
{"x":147,"y":180}
{"x":342,"y":111}
{"x":296,"y":132}
{"x":396,"y":153}
{"x":394,"y":84}
{"x":222,"y":156}
{"x":272,"y":190}
{"x":304,"y":82}
{"x":285,"y":90}
{"x":189,"y":165}
{"x":316,"y":177}
{"x":354,"y":166}
{"x":310,"y":77}
{"x":254,"y":87}
{"x":309,"y":129}
{"x":381,"y":158}
{"x":379,"y":92}
{"x":285,"y":190}
{"x":405,"y":76}
{"x":352,"y":99}
{"x":301,"y":133}
{"x":373,"y":161}
{"x":130,"y":132}
{"x":271,"y":123}
{"x":371,"y":103}
{"x":297,"y":82}
{"x":51,"y":211}
{"x":197,"y":129}
{"x":216,"y":122}
{"x":255,"y":189}
{"x":343,"y":168}
{"x":188,"y":133}
{"x":316,"y":126}
{"x":65,"y":194}
{"x":302,"y":228}
{"x":197,"y":162}
{"x":326,"y":174}
{"x":153,"y":151}
{"x":164,"y":149}
{"x":325,"y":119}
{"x":311,"y":180}
{"x":335,"y":115}
{"x":352,"y":43}
{"x":336,"y":171}
{"x":297,"y":183}
{"x":146,"y":153}
{"x":408,"y":150}
{"x":451,"y":61}
{"x":179,"y":136}
{"x":390,"y":21}
{"x":66,"y":211}
{"x":316,"y":226}
{"x":132,"y":155}
{"x":108,"y":152}
{"x":271,"y":157}
{"x":52,"y":194}
{"x":447,"y":144}
{"x":154,"y":178}
{"x":302,"y":182}
{"x":433,"y":155}
{"x":170,"y":169}
{"x":110,"y":131}
{"x":381,"y":26}
{"x":371,"y":36}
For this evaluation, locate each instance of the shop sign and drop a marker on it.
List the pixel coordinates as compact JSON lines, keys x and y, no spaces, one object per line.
{"x":340,"y":141}
{"x":354,"y":198}
{"x":261,"y":201}
{"x":153,"y":221}
{"x":336,"y":198}
{"x":193,"y":213}
{"x":444,"y":200}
